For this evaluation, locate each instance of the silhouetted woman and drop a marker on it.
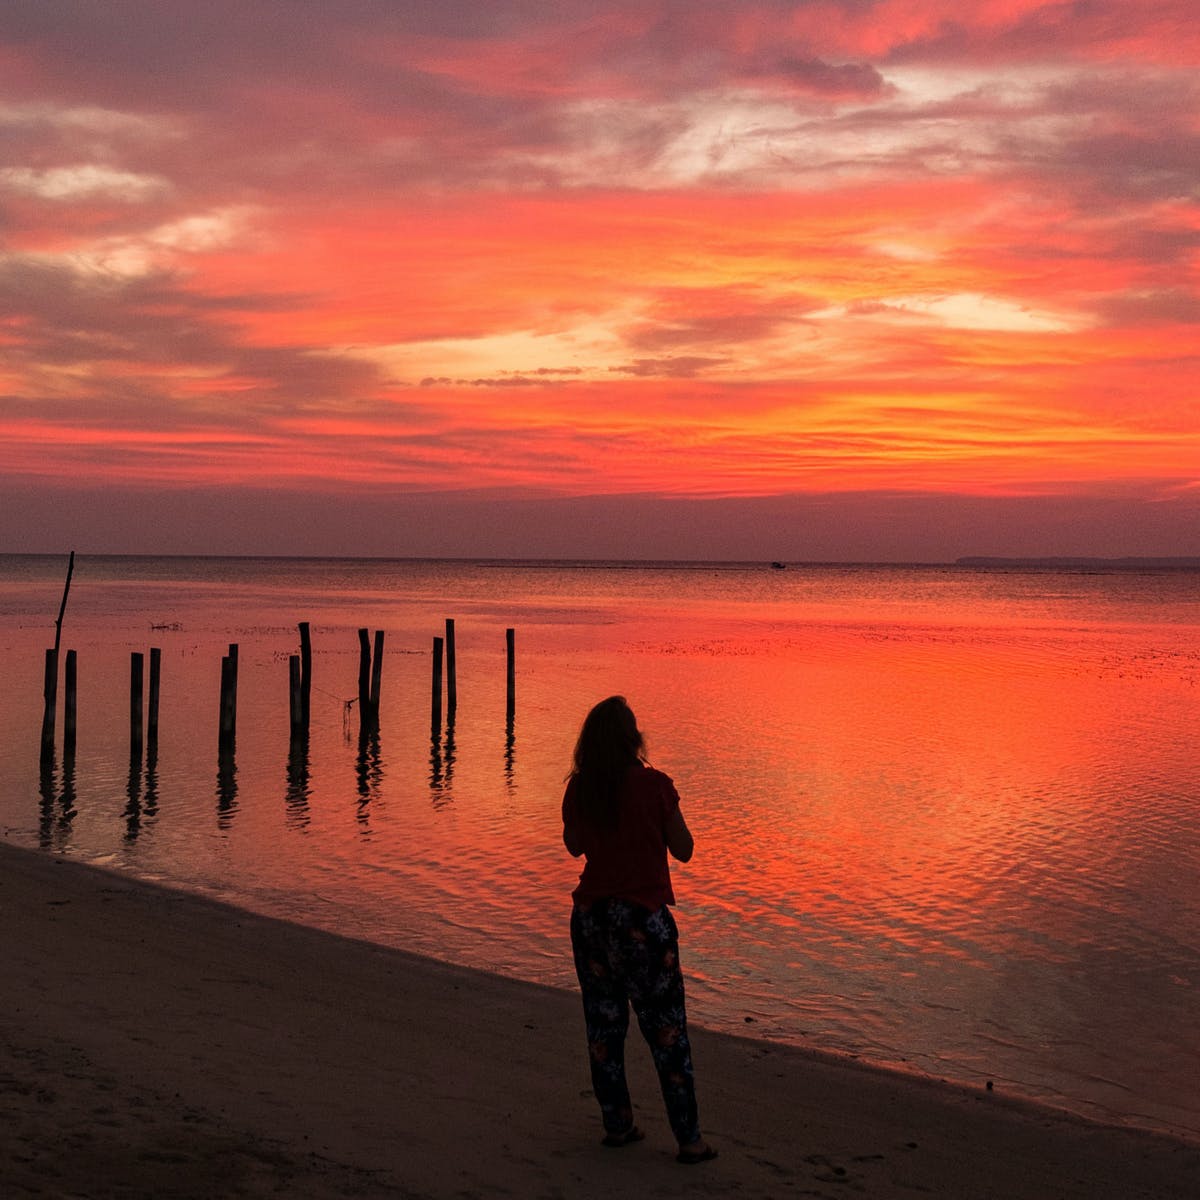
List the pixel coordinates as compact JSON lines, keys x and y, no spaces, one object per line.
{"x":624,"y":817}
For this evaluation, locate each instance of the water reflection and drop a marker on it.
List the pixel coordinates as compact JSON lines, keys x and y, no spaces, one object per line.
{"x":150,"y":806}
{"x":510,"y":747}
{"x":298,"y":786}
{"x":441,"y":763}
{"x":54,"y":827}
{"x":437,"y":773}
{"x":368,"y":772}
{"x":133,"y":792}
{"x":227,"y":788}
{"x":47,"y":785}
{"x":449,"y":749}
{"x":67,"y":801}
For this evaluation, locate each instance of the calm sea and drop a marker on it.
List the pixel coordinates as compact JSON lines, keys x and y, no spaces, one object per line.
{"x":947,"y":818}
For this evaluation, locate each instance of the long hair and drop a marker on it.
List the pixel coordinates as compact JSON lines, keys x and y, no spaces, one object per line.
{"x":609,"y":744}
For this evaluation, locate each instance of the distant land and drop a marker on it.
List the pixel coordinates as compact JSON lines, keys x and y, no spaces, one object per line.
{"x":1127,"y":564}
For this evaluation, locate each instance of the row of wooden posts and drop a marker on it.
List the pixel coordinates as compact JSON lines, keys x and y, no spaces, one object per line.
{"x":370,"y":673}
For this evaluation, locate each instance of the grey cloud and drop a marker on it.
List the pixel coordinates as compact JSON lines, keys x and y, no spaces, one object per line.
{"x":745,"y":322}
{"x":1169,"y":306}
{"x":1156,"y":244}
{"x":1133,"y":165}
{"x":276,"y":92}
{"x":539,"y":377}
{"x":684,"y":366}
{"x":1053,"y":30}
{"x":69,"y":317}
{"x":820,"y":77}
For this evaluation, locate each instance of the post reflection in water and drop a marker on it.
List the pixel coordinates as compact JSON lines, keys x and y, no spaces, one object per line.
{"x":437,"y":774}
{"x":67,"y":802}
{"x":227,"y":788}
{"x":298,"y":787}
{"x":510,"y":747}
{"x":449,"y":750}
{"x":441,"y":763}
{"x":150,"y":806}
{"x":46,"y":788}
{"x":368,"y":772}
{"x":53,"y":830}
{"x":133,"y":790}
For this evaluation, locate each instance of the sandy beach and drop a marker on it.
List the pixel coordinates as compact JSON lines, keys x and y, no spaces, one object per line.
{"x":157,"y":1044}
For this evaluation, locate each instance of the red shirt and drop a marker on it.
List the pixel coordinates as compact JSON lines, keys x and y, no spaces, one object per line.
{"x":628,"y":861}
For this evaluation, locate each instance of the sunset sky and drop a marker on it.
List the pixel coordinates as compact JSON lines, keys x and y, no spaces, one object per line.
{"x":848,"y":279}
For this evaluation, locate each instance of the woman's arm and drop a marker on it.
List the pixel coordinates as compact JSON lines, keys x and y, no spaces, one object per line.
{"x":571,"y":839}
{"x":679,"y":837}
{"x":570,"y":819}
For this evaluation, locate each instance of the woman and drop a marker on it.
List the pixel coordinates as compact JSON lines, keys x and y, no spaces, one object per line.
{"x":624,"y":817}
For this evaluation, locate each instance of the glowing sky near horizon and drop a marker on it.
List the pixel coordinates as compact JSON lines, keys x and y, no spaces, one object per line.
{"x":603,"y":248}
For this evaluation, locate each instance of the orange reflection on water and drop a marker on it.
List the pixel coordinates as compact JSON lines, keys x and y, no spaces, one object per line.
{"x":918,"y":785}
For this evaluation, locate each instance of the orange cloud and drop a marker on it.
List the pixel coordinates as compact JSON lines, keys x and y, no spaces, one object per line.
{"x":901,"y":247}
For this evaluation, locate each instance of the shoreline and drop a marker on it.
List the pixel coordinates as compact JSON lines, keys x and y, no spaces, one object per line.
{"x":159,"y":1043}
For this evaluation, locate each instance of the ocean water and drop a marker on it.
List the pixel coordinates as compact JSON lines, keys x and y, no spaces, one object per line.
{"x":947,"y":818}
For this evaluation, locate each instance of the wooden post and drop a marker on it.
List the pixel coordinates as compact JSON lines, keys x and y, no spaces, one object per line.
{"x":376,"y":676}
{"x":152,"y":706}
{"x":437,"y":683}
{"x":228,"y":722}
{"x":62,"y":608}
{"x":69,"y":706}
{"x":510,"y":642}
{"x":50,"y":696}
{"x":295,"y":707}
{"x":305,"y":674}
{"x":233,"y":686}
{"x":151,"y":791}
{"x":451,"y":672}
{"x":365,"y":722}
{"x":50,"y":683}
{"x":137,"y":665}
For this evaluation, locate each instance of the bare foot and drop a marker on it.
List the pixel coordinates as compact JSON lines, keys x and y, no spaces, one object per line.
{"x":699,"y":1151}
{"x":628,"y":1137}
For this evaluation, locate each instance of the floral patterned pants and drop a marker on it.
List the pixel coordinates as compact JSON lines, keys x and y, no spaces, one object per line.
{"x":629,"y":955}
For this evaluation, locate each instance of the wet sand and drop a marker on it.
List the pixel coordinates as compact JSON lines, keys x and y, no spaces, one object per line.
{"x":156,"y":1044}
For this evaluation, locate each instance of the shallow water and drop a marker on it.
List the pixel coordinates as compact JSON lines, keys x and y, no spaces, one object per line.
{"x":945,"y":817}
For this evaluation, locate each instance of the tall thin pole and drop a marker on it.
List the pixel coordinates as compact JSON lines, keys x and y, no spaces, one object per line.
{"x":69,"y":706}
{"x":510,"y":643}
{"x":365,"y":722}
{"x":137,"y":664}
{"x":295,"y":705}
{"x":451,"y":672}
{"x":305,"y":674}
{"x":376,"y":676}
{"x":50,"y":698}
{"x":228,"y":731}
{"x":152,"y":705}
{"x":62,"y":608}
{"x":437,"y":683}
{"x":233,"y":683}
